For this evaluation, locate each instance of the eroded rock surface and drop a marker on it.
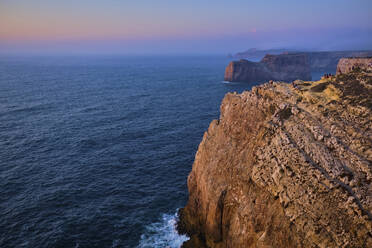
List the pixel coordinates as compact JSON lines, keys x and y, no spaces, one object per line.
{"x":283,"y":67}
{"x":346,"y":65}
{"x":286,"y":165}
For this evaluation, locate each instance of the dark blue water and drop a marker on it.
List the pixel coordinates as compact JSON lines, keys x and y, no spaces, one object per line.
{"x":95,"y":151}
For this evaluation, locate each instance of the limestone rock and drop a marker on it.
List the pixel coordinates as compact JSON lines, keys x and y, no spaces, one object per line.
{"x":346,"y":65}
{"x":285,"y":166}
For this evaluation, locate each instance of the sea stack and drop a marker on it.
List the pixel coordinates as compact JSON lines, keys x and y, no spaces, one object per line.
{"x":283,"y":67}
{"x":286,"y":165}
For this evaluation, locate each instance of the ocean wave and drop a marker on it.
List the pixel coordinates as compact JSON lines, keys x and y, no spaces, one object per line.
{"x":162,"y":234}
{"x":225,"y":82}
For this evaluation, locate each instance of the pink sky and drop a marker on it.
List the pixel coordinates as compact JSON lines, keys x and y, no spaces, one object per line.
{"x":218,"y":26}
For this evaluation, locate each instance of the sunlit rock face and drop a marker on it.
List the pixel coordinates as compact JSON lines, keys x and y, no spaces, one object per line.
{"x":283,"y":67}
{"x":286,"y":165}
{"x":346,"y":65}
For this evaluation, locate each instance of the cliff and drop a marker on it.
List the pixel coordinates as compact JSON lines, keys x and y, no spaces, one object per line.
{"x":286,"y":165}
{"x":325,"y":62}
{"x":284,"y":67}
{"x":254,"y":53}
{"x":346,"y":65}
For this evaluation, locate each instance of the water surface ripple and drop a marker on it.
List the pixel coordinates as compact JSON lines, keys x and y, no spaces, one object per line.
{"x":95,"y":150}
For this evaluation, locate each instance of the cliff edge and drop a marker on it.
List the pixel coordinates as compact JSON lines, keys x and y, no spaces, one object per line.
{"x":283,"y":67}
{"x":286,"y":165}
{"x":346,"y":65}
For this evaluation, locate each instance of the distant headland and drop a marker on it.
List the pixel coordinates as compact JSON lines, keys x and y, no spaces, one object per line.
{"x":284,"y":65}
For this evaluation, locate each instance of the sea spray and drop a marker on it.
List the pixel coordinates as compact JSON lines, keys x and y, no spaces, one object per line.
{"x":162,"y":234}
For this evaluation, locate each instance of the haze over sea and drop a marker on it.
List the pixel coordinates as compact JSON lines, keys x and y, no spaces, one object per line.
{"x":95,"y":150}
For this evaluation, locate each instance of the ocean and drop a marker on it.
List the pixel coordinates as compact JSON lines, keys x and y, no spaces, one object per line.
{"x":96,"y":150}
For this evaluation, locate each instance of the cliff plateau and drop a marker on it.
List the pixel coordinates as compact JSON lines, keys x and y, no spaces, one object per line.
{"x":284,"y":67}
{"x":286,"y":165}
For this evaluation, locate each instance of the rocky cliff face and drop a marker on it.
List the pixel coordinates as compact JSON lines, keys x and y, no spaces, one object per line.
{"x":284,"y":67}
{"x":346,"y":65}
{"x":246,"y":71}
{"x":325,"y":62}
{"x":286,"y":166}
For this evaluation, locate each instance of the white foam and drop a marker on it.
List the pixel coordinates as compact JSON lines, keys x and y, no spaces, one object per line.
{"x":162,"y":234}
{"x":232,"y":83}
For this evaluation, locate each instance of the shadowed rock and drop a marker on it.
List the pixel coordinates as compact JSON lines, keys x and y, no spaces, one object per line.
{"x":319,"y":61}
{"x":284,"y":67}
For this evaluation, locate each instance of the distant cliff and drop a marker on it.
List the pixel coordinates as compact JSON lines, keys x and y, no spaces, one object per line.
{"x":285,"y":166}
{"x":254,"y":54}
{"x":284,"y":67}
{"x":346,"y":65}
{"x":327,"y":61}
{"x":319,"y":61}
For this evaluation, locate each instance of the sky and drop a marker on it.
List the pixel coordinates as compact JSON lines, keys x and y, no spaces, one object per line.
{"x":182,"y":26}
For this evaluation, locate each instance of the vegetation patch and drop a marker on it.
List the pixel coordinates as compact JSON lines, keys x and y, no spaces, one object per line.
{"x":285,"y":114}
{"x":320,"y":87}
{"x":351,"y":87}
